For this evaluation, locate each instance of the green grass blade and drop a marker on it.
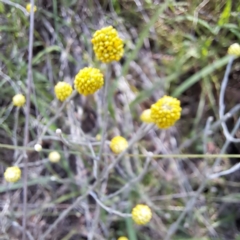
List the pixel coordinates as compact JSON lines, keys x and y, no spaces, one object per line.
{"x":224,"y":18}
{"x":45,"y":51}
{"x":199,"y":75}
{"x":130,"y":229}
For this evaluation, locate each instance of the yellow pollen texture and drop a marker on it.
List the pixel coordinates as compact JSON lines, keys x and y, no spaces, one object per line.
{"x":107,"y":45}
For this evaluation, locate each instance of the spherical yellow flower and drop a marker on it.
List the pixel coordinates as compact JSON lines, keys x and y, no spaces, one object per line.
{"x":118,"y":144}
{"x":234,"y":50}
{"x":18,"y":100}
{"x":88,"y":81}
{"x":141,"y":214}
{"x":122,"y":238}
{"x":166,"y":111}
{"x":28,"y":7}
{"x":107,"y":45}
{"x":146,"y":116}
{"x":12,"y":174}
{"x":54,"y":157}
{"x":62,"y":90}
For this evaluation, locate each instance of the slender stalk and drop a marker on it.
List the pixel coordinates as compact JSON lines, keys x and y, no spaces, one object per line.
{"x":26,"y":129}
{"x":105,"y":117}
{"x":94,"y":223}
{"x":221,"y":101}
{"x":156,"y":156}
{"x":15,"y":128}
{"x":108,"y":209}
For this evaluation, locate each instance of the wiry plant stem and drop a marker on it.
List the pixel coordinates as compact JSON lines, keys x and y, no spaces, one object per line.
{"x":26,"y":129}
{"x":105,"y":117}
{"x":221,"y":101}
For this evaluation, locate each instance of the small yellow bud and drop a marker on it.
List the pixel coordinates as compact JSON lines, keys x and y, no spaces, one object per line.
{"x":12,"y":174}
{"x":54,"y":157}
{"x":18,"y":100}
{"x":234,"y":50}
{"x":146,"y":116}
{"x":122,"y":238}
{"x":98,"y":137}
{"x":141,"y":214}
{"x":118,"y":144}
{"x":38,"y":147}
{"x":28,"y":7}
{"x":62,"y":90}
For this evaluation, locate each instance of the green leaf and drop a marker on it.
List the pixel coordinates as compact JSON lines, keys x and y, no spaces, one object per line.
{"x":2,"y":9}
{"x":130,"y":228}
{"x":200,"y":75}
{"x":199,"y":21}
{"x":224,"y":18}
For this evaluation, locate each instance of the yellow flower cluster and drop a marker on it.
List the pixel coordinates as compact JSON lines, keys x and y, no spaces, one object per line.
{"x":146,"y":116}
{"x":141,"y":214}
{"x":62,"y":90}
{"x":18,"y":100}
{"x":28,"y":7}
{"x":118,"y":144}
{"x":165,"y":112}
{"x":107,"y":45}
{"x":12,"y":174}
{"x":88,"y":81}
{"x":234,"y":50}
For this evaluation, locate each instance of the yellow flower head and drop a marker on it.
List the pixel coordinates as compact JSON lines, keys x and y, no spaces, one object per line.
{"x":62,"y":90}
{"x":146,"y":116}
{"x":234,"y":50}
{"x":18,"y":100}
{"x":54,"y":157}
{"x":88,"y":81}
{"x":141,"y":214}
{"x":118,"y":144}
{"x":12,"y":174}
{"x":107,"y":45}
{"x":166,"y":111}
{"x":28,"y":7}
{"x":122,"y":238}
